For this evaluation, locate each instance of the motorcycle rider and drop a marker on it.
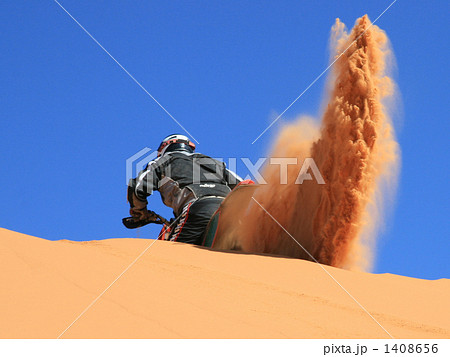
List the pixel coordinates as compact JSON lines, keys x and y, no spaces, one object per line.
{"x":192,"y":184}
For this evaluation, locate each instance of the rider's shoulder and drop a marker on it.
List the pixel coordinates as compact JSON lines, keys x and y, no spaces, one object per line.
{"x":184,"y":154}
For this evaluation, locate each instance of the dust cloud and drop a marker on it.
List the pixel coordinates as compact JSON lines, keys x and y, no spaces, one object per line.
{"x":356,"y":152}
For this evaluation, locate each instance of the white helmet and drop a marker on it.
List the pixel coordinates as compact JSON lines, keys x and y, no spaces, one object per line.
{"x":182,"y":144}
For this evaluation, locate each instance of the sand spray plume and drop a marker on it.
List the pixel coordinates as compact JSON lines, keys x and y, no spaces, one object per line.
{"x":356,"y":152}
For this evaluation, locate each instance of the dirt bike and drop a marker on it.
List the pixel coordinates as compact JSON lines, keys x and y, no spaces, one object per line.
{"x":217,"y":234}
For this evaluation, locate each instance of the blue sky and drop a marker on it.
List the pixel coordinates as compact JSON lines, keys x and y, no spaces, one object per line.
{"x":71,"y":116}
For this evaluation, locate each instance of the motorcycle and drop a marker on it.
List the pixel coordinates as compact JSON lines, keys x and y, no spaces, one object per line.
{"x":217,"y":234}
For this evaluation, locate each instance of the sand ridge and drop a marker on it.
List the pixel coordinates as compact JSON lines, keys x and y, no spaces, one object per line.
{"x":182,"y":291}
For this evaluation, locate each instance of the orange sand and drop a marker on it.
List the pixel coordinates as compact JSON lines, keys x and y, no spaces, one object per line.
{"x":354,"y":149}
{"x":182,"y":291}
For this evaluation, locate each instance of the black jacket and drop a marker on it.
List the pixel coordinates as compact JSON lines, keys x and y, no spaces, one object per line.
{"x":182,"y":177}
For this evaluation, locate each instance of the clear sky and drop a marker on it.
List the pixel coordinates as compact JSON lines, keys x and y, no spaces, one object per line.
{"x":70,"y":116}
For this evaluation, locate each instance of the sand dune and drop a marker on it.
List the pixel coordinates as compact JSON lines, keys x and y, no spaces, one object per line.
{"x":182,"y":291}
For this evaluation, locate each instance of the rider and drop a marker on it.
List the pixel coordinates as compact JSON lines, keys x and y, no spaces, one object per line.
{"x":192,"y":184}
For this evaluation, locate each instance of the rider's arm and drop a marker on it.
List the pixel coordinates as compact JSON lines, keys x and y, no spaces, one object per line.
{"x":143,"y":185}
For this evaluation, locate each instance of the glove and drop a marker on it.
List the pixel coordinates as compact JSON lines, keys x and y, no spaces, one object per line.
{"x":140,"y":214}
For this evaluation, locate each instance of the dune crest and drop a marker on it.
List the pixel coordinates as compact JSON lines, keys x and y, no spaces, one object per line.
{"x":177,"y":290}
